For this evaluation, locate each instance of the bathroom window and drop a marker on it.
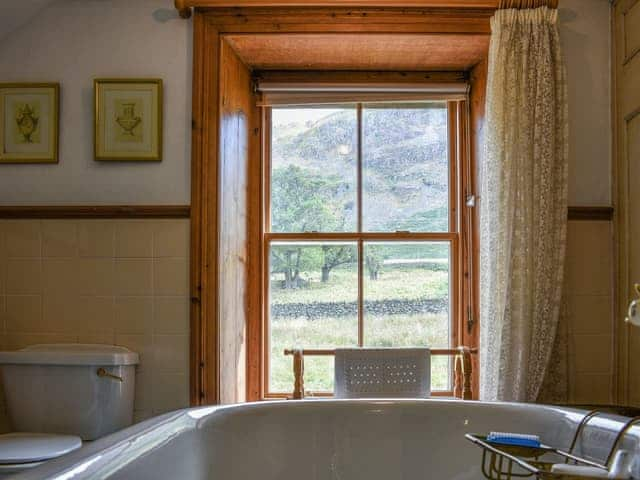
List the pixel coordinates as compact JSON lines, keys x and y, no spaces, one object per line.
{"x":361,"y":238}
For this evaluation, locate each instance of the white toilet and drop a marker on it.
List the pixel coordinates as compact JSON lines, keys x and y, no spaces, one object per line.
{"x":58,"y":395}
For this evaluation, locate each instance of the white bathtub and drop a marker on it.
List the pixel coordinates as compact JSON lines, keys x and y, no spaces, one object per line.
{"x":324,"y":439}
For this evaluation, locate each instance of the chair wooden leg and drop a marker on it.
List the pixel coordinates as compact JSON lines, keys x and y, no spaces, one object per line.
{"x":298,"y":374}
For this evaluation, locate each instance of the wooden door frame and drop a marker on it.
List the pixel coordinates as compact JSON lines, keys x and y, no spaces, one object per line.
{"x":209,"y":27}
{"x":621,"y":118}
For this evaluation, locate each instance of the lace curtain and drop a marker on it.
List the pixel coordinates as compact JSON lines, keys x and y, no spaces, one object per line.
{"x":523,"y":213}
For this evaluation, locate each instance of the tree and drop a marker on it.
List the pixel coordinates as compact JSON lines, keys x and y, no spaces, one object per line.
{"x":334,"y":257}
{"x":373,"y":261}
{"x":306,"y":201}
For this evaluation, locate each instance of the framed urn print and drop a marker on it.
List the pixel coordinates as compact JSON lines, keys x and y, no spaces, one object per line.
{"x":29,"y":122}
{"x":128,"y":119}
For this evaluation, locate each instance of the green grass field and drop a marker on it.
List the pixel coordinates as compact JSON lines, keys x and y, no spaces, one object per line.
{"x":393,"y":330}
{"x":424,"y":329}
{"x":393,"y":283}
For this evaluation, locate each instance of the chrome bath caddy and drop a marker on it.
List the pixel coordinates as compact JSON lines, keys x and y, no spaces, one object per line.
{"x":507,"y":462}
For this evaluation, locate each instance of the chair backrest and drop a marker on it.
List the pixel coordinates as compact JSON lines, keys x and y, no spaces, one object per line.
{"x":382,"y":373}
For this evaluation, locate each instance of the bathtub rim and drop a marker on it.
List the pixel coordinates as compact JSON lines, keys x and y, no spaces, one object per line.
{"x":95,"y":457}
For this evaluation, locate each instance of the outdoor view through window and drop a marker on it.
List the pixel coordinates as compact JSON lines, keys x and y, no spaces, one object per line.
{"x":354,"y":192}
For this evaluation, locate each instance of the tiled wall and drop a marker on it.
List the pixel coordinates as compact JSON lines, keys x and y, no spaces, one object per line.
{"x":122,"y":282}
{"x":589,"y":285}
{"x":126,"y":282}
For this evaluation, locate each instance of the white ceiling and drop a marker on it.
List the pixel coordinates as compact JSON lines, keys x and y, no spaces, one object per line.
{"x":15,"y":14}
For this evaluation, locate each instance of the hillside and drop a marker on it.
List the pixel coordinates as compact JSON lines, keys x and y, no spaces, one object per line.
{"x":405,"y":165}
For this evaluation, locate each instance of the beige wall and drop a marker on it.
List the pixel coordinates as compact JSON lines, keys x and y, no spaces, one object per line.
{"x":589,"y":287}
{"x":585,"y":32}
{"x":74,"y":41}
{"x":121,"y":282}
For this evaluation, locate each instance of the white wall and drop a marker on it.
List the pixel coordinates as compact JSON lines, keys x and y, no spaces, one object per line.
{"x":586,"y":39}
{"x":73,"y":42}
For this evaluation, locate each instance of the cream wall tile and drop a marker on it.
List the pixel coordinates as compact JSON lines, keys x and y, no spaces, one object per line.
{"x":141,"y":344}
{"x":591,"y":315}
{"x":3,"y":247}
{"x":5,"y":424}
{"x":593,"y":354}
{"x":590,"y":258}
{"x":24,"y":314}
{"x":133,"y":277}
{"x":134,"y":239}
{"x":141,"y":415}
{"x":16,"y":341}
{"x":24,"y":276}
{"x":134,"y":315}
{"x":96,"y":238}
{"x":3,"y":317}
{"x":96,"y":276}
{"x":170,"y":276}
{"x":3,"y":258}
{"x":96,"y":315}
{"x":171,"y":353}
{"x":97,"y":338}
{"x":171,"y":315}
{"x":634,"y":367}
{"x":592,"y":389}
{"x":170,"y":392}
{"x":61,"y":313}
{"x":60,"y":276}
{"x":59,"y":238}
{"x":3,"y":275}
{"x":171,"y":238}
{"x":80,"y":292}
{"x":23,"y":238}
{"x":142,"y":400}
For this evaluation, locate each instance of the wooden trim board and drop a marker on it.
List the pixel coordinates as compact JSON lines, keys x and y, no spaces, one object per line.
{"x":591,"y":213}
{"x":94,"y":211}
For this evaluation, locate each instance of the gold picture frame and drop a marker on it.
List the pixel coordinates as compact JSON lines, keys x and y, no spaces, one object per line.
{"x":29,"y":122}
{"x":128,"y":119}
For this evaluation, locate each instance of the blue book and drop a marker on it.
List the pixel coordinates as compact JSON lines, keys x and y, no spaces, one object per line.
{"x":514,"y":439}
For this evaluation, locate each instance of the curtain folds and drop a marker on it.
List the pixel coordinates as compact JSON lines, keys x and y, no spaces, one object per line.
{"x":523,"y":203}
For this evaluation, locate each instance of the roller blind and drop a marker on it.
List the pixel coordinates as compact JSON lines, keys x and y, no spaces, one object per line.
{"x":274,"y":94}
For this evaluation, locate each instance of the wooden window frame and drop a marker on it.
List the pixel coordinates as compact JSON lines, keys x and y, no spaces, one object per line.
{"x":457,"y":164}
{"x":209,"y":29}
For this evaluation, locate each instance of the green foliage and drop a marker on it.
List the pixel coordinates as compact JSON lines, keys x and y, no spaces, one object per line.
{"x":304,"y":200}
{"x":433,"y":220}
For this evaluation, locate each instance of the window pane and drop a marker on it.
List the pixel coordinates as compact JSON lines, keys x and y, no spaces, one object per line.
{"x":405,"y":168}
{"x":313,"y":169}
{"x":406,"y":299}
{"x":313,"y":304}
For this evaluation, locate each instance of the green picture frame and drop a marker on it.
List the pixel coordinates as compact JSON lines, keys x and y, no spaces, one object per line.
{"x":29,"y":122}
{"x":128,"y":119}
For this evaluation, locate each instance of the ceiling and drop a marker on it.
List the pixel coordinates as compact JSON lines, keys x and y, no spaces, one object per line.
{"x":410,"y":52}
{"x":14,"y":15}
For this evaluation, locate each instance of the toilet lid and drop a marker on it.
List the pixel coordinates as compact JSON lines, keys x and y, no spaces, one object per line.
{"x":35,"y":447}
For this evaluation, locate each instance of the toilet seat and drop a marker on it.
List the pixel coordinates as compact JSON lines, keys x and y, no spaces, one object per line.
{"x":31,"y":449}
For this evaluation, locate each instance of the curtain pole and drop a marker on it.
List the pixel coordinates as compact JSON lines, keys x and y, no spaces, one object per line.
{"x":522,"y":4}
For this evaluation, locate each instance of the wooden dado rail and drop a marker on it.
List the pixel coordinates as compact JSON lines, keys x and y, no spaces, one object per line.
{"x":461,"y":373}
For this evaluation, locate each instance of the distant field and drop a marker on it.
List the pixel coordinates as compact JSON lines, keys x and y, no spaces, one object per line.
{"x":426,"y":329}
{"x":393,"y":283}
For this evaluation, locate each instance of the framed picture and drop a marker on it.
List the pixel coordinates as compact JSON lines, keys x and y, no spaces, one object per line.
{"x":128,"y":119}
{"x":29,"y":122}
